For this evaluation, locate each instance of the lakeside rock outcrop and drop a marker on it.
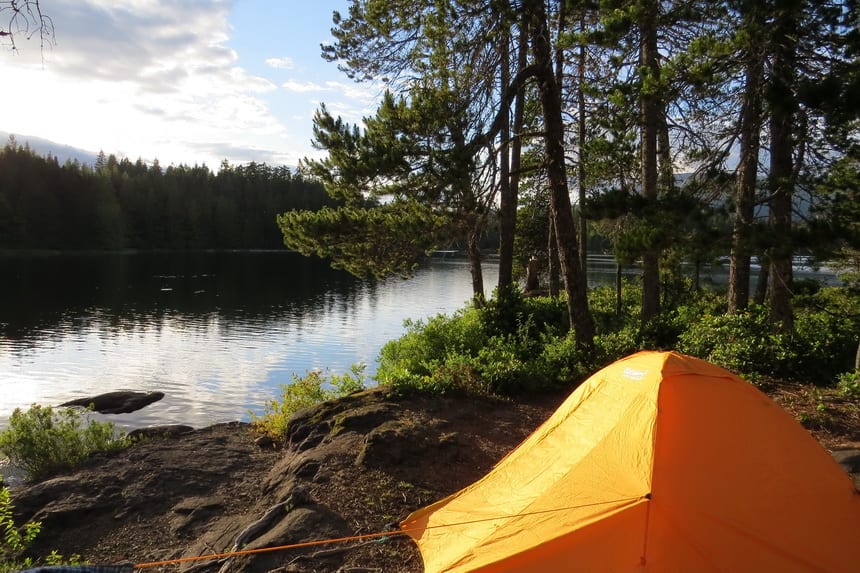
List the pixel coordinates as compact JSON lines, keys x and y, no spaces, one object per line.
{"x":347,"y":467}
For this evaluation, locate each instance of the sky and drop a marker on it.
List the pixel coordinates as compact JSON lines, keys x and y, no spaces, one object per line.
{"x":182,"y":81}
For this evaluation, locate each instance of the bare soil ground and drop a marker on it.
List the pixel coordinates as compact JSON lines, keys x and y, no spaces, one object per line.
{"x":360,"y":464}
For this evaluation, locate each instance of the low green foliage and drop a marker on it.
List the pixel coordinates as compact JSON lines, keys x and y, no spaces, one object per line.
{"x":14,"y":540}
{"x":508,"y":346}
{"x":422,"y":358}
{"x":314,"y":387}
{"x":43,"y":441}
{"x":822,"y":345}
{"x":741,"y":342}
{"x":517,"y":344}
{"x":848,"y":384}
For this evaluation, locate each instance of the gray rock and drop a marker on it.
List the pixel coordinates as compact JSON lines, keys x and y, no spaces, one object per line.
{"x":848,"y":459}
{"x":120,"y":402}
{"x":166,"y":431}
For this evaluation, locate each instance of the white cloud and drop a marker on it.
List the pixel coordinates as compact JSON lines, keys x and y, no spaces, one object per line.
{"x":364,"y":92}
{"x":164,"y":79}
{"x":303,"y":87}
{"x":281,"y":63}
{"x":143,"y":78}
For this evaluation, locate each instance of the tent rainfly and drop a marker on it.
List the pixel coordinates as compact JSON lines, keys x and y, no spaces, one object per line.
{"x":659,"y":462}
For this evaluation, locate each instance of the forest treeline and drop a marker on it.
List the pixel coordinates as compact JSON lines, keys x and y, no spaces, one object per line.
{"x":120,"y":204}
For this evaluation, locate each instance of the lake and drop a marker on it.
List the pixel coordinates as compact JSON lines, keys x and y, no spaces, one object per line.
{"x":218,"y":333}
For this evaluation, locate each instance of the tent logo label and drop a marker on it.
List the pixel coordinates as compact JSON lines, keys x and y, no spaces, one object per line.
{"x":634,"y":374}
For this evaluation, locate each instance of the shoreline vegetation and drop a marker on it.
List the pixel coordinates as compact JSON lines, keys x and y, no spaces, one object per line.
{"x":517,"y":350}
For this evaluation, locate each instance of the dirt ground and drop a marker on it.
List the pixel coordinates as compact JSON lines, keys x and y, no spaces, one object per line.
{"x":368,"y":459}
{"x":361,"y":464}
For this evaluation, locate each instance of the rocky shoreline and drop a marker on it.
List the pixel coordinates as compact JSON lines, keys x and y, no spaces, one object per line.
{"x":348,"y":467}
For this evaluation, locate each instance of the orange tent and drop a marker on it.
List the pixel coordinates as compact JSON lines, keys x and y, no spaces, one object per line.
{"x":658,"y":463}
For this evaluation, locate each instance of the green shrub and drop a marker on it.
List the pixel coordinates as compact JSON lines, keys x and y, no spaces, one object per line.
{"x":611,"y":346}
{"x":407,"y":361}
{"x":313,"y":388}
{"x":43,"y":441}
{"x":456,"y":374}
{"x":848,"y":384}
{"x":822,"y":345}
{"x":828,"y":329}
{"x":15,"y":540}
{"x":522,"y":344}
{"x":495,"y":349}
{"x":561,"y":363}
{"x":602,"y":303}
{"x":504,"y":367}
{"x":825,"y":344}
{"x":741,"y":342}
{"x":509,"y":314}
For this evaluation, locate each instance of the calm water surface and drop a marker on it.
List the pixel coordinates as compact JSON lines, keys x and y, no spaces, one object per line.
{"x":218,"y":333}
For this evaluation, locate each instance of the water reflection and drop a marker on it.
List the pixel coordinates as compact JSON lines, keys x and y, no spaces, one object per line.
{"x":217,"y":332}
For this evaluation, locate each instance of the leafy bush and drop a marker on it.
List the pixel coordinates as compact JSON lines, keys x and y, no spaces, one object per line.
{"x":521,"y":344}
{"x":561,"y":363}
{"x":510,"y":313}
{"x":314,"y":387}
{"x":408,"y":361}
{"x":602,"y":302}
{"x":500,"y":348}
{"x":822,"y":345}
{"x":825,"y":344}
{"x":504,"y":366}
{"x":15,"y":540}
{"x":741,"y":342}
{"x":848,"y":384}
{"x":43,"y":441}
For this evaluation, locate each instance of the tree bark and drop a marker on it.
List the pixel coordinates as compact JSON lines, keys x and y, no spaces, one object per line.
{"x":581,"y":140}
{"x":649,"y":122}
{"x":512,"y":145}
{"x":507,"y":200}
{"x":552,"y":261}
{"x":750,"y":144}
{"x":475,"y":259}
{"x":560,"y":206}
{"x":781,"y":179}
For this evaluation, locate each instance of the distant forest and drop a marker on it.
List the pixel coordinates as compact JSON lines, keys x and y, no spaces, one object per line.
{"x":119,"y":204}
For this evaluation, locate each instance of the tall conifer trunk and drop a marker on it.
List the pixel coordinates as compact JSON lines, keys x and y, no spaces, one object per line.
{"x":550,"y":97}
{"x":507,"y":196}
{"x":649,"y":123}
{"x":512,"y":145}
{"x":781,"y":181}
{"x":750,"y":144}
{"x":475,"y":258}
{"x":580,"y":142}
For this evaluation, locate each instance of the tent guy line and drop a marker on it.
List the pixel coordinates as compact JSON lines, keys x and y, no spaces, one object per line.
{"x":379,"y":535}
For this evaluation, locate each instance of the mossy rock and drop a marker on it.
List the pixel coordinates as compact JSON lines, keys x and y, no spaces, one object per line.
{"x":397,"y":441}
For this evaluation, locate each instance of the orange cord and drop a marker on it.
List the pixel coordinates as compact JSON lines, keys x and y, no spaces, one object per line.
{"x":365,"y":536}
{"x":266,"y":549}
